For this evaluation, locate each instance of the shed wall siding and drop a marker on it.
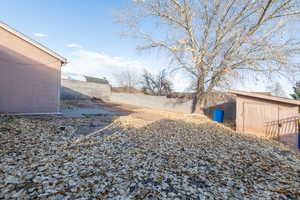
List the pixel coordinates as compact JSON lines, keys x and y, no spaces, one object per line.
{"x":29,"y":77}
{"x":252,"y":113}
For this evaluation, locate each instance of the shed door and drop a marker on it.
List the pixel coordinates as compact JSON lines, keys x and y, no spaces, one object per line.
{"x":256,"y":116}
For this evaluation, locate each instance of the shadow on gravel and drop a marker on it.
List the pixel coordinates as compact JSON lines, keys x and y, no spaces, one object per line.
{"x":96,"y":103}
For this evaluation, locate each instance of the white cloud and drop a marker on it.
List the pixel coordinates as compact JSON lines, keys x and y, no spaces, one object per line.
{"x":100,"y":65}
{"x":74,"y":45}
{"x":180,"y":81}
{"x":41,"y":35}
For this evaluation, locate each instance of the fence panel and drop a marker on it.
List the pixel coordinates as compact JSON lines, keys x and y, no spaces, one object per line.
{"x":285,"y":131}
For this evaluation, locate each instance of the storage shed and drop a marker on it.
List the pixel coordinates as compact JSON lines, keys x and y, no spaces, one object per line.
{"x":29,"y":74}
{"x":267,"y":115}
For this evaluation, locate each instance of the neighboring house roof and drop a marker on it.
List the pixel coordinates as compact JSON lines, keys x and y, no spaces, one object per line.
{"x":96,"y":80}
{"x":73,"y":76}
{"x":266,"y":97}
{"x":33,"y":42}
{"x":83,"y":78}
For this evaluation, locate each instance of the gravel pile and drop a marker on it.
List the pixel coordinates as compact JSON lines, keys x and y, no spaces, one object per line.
{"x":167,"y":159}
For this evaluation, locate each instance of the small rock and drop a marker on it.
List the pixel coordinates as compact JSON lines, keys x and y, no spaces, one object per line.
{"x":230,"y":183}
{"x":59,"y":197}
{"x":62,"y":128}
{"x":50,"y":191}
{"x":18,"y":194}
{"x":12,"y":180}
{"x":72,"y":183}
{"x":41,"y":169}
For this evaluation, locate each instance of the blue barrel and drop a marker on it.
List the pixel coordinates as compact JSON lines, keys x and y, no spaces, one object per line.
{"x":218,"y":115}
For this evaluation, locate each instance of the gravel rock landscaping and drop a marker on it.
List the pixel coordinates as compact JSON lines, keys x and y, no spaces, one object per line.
{"x":129,"y":158}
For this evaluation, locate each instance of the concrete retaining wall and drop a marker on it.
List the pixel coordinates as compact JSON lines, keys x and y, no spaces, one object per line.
{"x":217,"y":100}
{"x":72,"y":89}
{"x":152,"y":101}
{"x":85,"y":90}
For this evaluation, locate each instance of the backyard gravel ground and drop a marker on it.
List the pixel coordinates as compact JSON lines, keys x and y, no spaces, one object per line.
{"x":130,"y":157}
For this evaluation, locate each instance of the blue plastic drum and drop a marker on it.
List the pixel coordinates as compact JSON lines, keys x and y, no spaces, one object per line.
{"x":218,"y":115}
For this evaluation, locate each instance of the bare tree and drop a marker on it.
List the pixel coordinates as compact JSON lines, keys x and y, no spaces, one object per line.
{"x":276,"y":89}
{"x":127,"y":79}
{"x":157,"y":85}
{"x":216,"y":41}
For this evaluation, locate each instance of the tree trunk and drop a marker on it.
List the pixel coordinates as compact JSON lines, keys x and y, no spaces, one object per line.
{"x":199,"y":97}
{"x":194,"y":103}
{"x":198,"y":103}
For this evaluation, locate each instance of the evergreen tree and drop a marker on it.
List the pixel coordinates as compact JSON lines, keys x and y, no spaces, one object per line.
{"x":296,"y":89}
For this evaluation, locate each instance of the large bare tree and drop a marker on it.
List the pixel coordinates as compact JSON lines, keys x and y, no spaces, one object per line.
{"x":276,"y":89}
{"x":156,"y":84}
{"x":217,"y":40}
{"x":127,"y":79}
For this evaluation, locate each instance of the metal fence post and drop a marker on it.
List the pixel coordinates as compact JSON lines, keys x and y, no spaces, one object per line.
{"x":298,"y":121}
{"x":299,"y":140}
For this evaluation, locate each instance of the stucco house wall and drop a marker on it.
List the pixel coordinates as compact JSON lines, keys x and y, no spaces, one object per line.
{"x":29,"y":77}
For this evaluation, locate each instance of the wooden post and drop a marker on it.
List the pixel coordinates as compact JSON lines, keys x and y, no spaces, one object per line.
{"x":298,"y":133}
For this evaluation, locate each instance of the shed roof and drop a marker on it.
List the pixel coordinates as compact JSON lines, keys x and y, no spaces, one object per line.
{"x":32,"y":42}
{"x":266,"y":97}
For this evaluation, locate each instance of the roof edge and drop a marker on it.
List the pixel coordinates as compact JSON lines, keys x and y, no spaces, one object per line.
{"x":266,"y":97}
{"x":33,"y":42}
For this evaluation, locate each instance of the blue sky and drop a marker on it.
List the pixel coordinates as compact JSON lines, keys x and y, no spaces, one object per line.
{"x":85,"y":33}
{"x":89,"y":23}
{"x":82,"y":31}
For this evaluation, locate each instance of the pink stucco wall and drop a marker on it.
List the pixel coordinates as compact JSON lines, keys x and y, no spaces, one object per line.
{"x":29,"y":77}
